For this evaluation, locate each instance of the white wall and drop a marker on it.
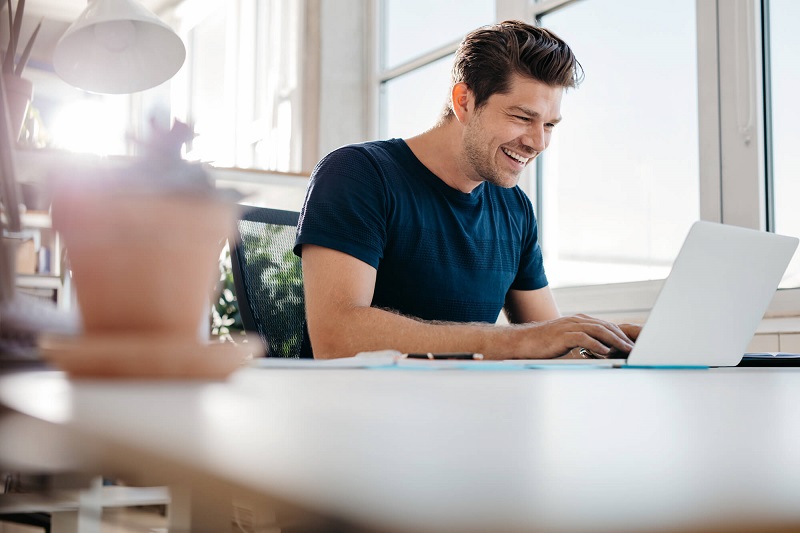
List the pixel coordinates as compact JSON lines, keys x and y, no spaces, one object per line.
{"x":344,"y":92}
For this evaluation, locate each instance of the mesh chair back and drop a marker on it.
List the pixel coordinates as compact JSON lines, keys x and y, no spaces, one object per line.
{"x":269,"y":281}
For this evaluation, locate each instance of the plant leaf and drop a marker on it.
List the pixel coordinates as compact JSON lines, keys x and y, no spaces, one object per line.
{"x":8,"y":62}
{"x":27,"y":52}
{"x":18,"y":24}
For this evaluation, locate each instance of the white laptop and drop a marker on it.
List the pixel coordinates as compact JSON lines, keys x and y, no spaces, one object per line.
{"x":712,"y":301}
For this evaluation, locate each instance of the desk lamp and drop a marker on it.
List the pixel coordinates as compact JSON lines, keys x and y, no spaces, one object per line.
{"x":116,"y":47}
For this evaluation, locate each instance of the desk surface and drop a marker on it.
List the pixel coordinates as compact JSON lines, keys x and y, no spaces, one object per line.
{"x":539,"y":450}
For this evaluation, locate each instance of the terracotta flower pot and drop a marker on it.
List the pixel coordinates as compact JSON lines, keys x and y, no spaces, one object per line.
{"x":142,"y":262}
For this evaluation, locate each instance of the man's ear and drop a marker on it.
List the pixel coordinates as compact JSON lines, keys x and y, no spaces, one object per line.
{"x":463,"y":101}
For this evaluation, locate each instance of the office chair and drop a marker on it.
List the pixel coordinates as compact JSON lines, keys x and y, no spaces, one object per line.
{"x":268,"y":280}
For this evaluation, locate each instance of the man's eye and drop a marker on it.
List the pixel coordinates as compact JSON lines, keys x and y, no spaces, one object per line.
{"x":523,"y":119}
{"x":549,"y":125}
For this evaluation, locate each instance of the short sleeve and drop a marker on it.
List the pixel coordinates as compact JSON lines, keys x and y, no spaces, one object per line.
{"x":345,"y":207}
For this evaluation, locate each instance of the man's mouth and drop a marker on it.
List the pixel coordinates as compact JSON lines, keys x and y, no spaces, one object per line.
{"x":521,"y":159}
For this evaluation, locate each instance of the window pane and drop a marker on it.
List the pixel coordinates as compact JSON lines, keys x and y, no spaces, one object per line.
{"x":415,"y":27}
{"x":413,"y":102}
{"x":620,"y":180}
{"x":784,"y":50}
{"x":210,"y":109}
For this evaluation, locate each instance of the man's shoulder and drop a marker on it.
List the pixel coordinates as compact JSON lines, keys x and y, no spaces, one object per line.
{"x":368,"y":160}
{"x":375,"y":150}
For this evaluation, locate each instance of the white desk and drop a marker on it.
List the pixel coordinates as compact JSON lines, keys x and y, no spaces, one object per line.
{"x":538,"y":450}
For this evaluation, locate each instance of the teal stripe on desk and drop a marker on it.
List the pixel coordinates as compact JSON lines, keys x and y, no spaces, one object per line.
{"x":667,"y":367}
{"x":485,"y":366}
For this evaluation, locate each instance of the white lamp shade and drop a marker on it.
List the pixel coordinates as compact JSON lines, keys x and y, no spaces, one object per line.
{"x":118,"y":46}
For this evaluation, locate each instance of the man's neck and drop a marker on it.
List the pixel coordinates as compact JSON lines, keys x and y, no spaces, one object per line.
{"x":439,"y":149}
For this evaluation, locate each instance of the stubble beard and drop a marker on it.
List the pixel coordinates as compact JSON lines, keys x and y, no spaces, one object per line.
{"x":482,"y":162}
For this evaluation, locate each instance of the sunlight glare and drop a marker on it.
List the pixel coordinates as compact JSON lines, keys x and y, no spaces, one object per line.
{"x":90,"y":126}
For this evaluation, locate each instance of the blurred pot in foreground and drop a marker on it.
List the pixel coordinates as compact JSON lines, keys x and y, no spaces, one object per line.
{"x":143,"y":239}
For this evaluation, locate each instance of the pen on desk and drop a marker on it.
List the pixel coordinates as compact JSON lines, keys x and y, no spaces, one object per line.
{"x":455,"y":355}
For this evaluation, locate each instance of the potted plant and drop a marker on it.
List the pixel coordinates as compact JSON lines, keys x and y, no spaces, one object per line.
{"x":19,"y":91}
{"x":143,"y":241}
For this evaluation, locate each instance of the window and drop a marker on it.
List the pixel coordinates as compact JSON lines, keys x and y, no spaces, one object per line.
{"x":413,"y":101}
{"x":242,"y":87}
{"x":416,"y":57}
{"x":784,"y":82}
{"x":719,"y":109}
{"x":409,"y":35}
{"x":620,"y":182}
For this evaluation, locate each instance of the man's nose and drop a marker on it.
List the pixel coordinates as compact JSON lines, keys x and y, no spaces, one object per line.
{"x":535,"y":139}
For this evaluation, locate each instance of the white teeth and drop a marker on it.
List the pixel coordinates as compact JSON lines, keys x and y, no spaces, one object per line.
{"x":514,"y":155}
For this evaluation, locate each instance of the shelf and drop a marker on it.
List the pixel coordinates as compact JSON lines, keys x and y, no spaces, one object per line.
{"x":36,"y":220}
{"x":39,"y":281}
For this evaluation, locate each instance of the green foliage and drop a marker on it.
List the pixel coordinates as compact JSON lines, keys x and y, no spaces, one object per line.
{"x":226,"y":323}
{"x":276,"y":290}
{"x":277,"y":297}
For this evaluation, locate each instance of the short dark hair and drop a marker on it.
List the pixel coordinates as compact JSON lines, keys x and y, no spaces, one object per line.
{"x":488,"y":56}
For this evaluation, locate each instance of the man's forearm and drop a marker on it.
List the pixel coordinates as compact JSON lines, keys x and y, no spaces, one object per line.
{"x":361,"y":329}
{"x":367,"y":329}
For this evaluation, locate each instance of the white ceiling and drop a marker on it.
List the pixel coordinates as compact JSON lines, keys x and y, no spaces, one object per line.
{"x":68,"y":10}
{"x":56,"y":16}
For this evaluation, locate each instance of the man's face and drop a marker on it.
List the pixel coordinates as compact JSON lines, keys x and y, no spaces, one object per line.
{"x":510,"y":130}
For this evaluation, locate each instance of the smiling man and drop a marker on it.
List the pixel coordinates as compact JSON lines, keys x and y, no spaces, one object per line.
{"x":418,"y":244}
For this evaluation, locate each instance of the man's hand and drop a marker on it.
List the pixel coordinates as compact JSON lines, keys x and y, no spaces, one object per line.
{"x":631,"y":330}
{"x":557,"y":337}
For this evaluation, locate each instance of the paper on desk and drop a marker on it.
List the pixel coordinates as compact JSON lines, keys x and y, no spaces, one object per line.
{"x":380,"y":359}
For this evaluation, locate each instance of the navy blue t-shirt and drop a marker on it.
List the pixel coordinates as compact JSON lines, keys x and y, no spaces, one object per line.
{"x":440,"y":254}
